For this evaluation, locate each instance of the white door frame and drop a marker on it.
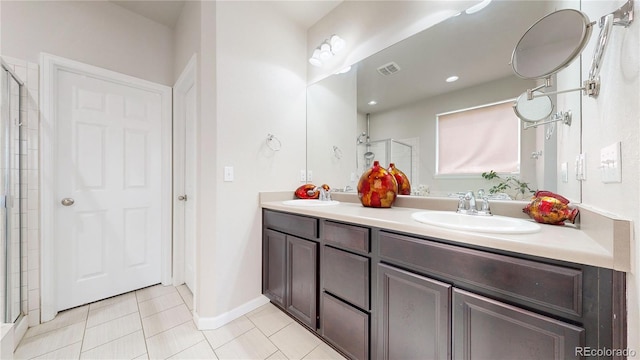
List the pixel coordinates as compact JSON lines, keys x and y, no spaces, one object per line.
{"x":186,"y":81}
{"x":49,"y":66}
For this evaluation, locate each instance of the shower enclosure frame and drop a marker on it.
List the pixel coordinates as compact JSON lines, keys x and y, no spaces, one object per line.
{"x":388,"y":155}
{"x":11,"y":196}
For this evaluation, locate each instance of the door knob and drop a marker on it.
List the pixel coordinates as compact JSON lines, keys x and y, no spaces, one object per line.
{"x":67,"y":201}
{"x":182,"y":197}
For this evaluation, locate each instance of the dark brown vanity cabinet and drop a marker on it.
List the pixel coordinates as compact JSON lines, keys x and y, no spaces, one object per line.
{"x":492,"y":305}
{"x":413,"y":316}
{"x":379,"y":294}
{"x":345,"y":316}
{"x":422,"y":318}
{"x":274,"y":262}
{"x":290,"y":265}
{"x":302,"y":275}
{"x":489,"y":329}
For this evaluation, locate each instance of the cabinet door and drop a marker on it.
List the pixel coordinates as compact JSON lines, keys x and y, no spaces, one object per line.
{"x":413,"y":316}
{"x":302,"y":270}
{"x":345,"y":327}
{"x":274,"y":266}
{"x":488,"y":329}
{"x":346,"y":275}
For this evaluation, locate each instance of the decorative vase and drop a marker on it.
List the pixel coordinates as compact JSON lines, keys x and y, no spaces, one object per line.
{"x":307,"y":191}
{"x":377,"y":187}
{"x":550,"y":208}
{"x":404,"y":187}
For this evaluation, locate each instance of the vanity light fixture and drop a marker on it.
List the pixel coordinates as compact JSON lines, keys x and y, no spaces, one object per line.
{"x":477,"y":7}
{"x":327,"y":49}
{"x":451,"y":79}
{"x":315,"y":58}
{"x":372,"y":102}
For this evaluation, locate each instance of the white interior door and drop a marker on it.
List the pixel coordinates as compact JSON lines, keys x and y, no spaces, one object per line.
{"x":189,"y":187}
{"x":111,"y":155}
{"x":185,"y":113}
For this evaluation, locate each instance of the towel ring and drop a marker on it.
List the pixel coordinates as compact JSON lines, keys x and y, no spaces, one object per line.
{"x":337,"y":152}
{"x":273,"y":142}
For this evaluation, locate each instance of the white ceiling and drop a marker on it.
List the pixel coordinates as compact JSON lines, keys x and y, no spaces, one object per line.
{"x":475,"y":47}
{"x":167,"y":12}
{"x":306,"y":13}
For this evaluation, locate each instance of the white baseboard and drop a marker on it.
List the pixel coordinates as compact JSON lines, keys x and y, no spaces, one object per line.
{"x":19,"y":330}
{"x":212,"y":323}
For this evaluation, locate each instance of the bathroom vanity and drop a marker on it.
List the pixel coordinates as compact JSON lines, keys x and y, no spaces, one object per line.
{"x":375,"y":286}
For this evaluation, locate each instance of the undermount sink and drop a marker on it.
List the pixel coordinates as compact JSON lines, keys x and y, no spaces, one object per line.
{"x":477,"y":223}
{"x":310,"y":202}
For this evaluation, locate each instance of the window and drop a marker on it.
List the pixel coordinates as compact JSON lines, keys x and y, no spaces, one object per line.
{"x":479,"y":139}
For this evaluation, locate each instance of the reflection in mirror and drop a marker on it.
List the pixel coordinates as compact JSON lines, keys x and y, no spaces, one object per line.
{"x":477,"y":49}
{"x":551,"y":44}
{"x":537,"y":109}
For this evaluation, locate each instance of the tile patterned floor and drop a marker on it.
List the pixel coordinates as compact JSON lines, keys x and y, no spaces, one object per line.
{"x":156,"y":323}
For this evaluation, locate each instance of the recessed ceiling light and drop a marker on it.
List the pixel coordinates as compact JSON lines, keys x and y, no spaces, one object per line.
{"x":452,"y":78}
{"x":477,"y":7}
{"x":372,"y":102}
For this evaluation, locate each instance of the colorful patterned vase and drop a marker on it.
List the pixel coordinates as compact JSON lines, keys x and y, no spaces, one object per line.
{"x":307,"y":191}
{"x":377,"y":187}
{"x":550,"y":208}
{"x":404,"y":187}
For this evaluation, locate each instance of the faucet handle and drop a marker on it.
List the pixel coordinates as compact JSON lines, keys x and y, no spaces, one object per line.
{"x":461,"y":205}
{"x":485,"y":210}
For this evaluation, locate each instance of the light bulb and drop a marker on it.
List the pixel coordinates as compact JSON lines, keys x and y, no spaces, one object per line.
{"x":315,"y":58}
{"x":325,"y":52}
{"x":337,"y":43}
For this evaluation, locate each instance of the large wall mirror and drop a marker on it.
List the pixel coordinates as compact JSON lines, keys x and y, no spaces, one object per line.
{"x":407,"y":81}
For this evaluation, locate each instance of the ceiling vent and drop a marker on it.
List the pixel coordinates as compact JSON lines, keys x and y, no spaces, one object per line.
{"x":389,"y":69}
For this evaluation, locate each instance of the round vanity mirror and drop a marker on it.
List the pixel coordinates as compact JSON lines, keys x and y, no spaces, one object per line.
{"x":551,"y":44}
{"x":534,"y":110}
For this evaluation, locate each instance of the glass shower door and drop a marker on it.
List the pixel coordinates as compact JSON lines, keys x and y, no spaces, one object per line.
{"x":10,"y":225}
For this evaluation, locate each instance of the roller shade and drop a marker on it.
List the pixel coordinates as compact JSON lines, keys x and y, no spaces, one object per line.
{"x":477,"y":140}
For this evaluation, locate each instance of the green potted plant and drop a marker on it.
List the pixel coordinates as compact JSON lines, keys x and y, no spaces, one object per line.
{"x":509,"y":183}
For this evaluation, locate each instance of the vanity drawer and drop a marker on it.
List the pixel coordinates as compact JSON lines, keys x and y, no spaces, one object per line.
{"x":291,"y":224}
{"x":344,"y":326}
{"x":556,"y":287}
{"x":347,"y":236}
{"x":346,"y":275}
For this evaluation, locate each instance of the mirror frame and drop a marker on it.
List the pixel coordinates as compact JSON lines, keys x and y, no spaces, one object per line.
{"x":586,"y":35}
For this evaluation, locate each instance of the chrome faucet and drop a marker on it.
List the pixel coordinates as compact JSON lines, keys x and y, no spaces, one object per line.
{"x":325,"y":195}
{"x":484,"y":209}
{"x":469,"y":197}
{"x":467,"y":204}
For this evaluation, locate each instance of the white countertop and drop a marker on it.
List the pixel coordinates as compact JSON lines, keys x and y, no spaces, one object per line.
{"x":555,"y":242}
